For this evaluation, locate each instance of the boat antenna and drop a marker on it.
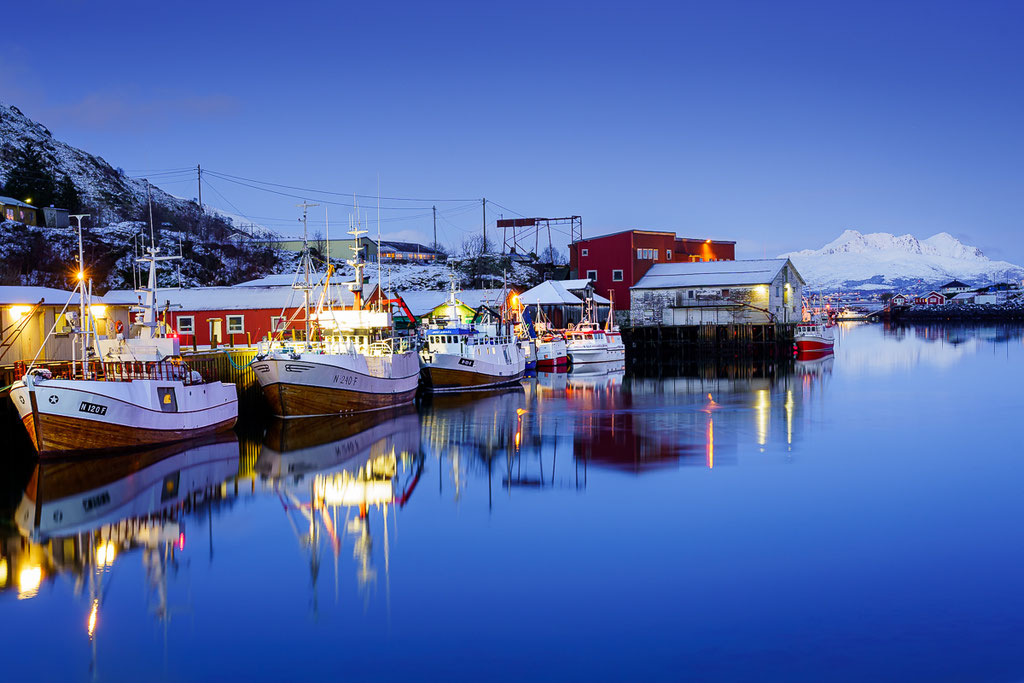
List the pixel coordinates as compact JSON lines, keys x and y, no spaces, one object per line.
{"x":305,"y":261}
{"x":356,"y":287}
{"x":149,"y":200}
{"x":379,"y":307}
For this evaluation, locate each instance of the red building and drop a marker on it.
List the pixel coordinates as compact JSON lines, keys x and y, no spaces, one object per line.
{"x":931,"y":299}
{"x":616,"y":262}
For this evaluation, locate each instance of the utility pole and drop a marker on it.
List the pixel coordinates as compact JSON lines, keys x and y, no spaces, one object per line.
{"x":199,"y":170}
{"x":483,"y":203}
{"x":435,"y":227}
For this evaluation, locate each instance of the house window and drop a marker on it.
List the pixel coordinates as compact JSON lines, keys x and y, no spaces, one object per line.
{"x":186,"y":324}
{"x":694,"y":259}
{"x":654,"y":254}
{"x":725,"y":292}
{"x":668,"y":254}
{"x":639,"y":253}
{"x":585,"y":252}
{"x":592,"y":275}
{"x":616,"y":276}
{"x":689,"y":294}
{"x":278,"y":323}
{"x":236,"y":324}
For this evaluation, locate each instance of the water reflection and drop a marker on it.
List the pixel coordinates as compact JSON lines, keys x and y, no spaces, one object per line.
{"x":81,"y":519}
{"x":903,"y":347}
{"x":333,"y":475}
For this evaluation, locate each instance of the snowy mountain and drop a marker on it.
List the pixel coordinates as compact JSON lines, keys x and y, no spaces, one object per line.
{"x":883,"y":261}
{"x":102,"y":188}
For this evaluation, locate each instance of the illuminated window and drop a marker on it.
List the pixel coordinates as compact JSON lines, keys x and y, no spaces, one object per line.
{"x":639,"y":253}
{"x":186,"y":324}
{"x":616,"y":276}
{"x":236,"y":324}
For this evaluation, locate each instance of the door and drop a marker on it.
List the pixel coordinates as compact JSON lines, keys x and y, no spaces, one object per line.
{"x":215,"y":331}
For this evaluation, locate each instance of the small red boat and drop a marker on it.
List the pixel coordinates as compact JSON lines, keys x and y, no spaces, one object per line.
{"x":814,"y":338}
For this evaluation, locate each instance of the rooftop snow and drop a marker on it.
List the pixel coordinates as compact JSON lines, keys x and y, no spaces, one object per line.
{"x":11,"y":201}
{"x":28,"y":295}
{"x":549,"y":293}
{"x":711,"y":273}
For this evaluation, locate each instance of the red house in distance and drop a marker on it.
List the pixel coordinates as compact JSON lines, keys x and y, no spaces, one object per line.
{"x":617,"y":261}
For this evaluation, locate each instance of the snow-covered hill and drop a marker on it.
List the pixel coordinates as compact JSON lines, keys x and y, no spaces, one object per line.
{"x":117,"y":196}
{"x":883,"y":261}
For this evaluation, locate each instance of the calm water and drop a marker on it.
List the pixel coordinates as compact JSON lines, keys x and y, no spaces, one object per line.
{"x":858,"y":518}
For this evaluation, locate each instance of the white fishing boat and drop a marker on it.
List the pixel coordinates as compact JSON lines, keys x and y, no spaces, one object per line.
{"x":458,"y":356}
{"x":351,"y":360}
{"x":136,"y":391}
{"x":588,"y":342}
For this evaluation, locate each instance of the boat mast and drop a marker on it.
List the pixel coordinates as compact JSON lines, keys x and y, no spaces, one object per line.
{"x":81,"y":290}
{"x":306,"y":263}
{"x":356,"y":287}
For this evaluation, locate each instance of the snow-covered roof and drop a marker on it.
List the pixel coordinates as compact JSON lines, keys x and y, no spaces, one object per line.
{"x":279,"y":280}
{"x":422,"y":302}
{"x":230,"y":298}
{"x":548,"y":293}
{"x":963,"y":296}
{"x":711,"y":273}
{"x":581,"y":283}
{"x":11,"y":201}
{"x":29,"y":294}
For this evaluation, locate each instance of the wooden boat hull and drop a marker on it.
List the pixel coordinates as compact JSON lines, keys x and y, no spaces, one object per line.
{"x":442,"y":379}
{"x":314,"y":385}
{"x":65,"y":417}
{"x":59,"y":435}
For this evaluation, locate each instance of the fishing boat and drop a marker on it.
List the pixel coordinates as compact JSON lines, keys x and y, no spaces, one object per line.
{"x":135,"y":392}
{"x":351,"y":360}
{"x":588,"y":342}
{"x":814,"y":337}
{"x":552,"y":354}
{"x":458,"y":356}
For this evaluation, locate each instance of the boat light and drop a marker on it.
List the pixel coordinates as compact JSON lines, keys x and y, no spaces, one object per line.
{"x":81,"y":275}
{"x":18,"y":312}
{"x":105,"y":554}
{"x":98,"y":311}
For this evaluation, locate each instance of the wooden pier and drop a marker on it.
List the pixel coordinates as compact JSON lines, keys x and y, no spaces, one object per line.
{"x":677,"y":345}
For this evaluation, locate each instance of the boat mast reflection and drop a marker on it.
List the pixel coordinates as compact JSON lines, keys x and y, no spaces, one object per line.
{"x":331,"y":473}
{"x":82,"y":518}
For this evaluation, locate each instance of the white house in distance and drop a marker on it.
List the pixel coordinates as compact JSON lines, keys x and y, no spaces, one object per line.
{"x":718,"y":293}
{"x":954,"y":287}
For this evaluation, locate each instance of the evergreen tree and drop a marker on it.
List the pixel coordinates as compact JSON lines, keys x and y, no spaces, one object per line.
{"x":30,"y":179}
{"x":67,"y":196}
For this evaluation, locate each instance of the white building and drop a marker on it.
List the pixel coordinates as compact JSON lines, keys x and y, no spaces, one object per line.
{"x":718,"y":292}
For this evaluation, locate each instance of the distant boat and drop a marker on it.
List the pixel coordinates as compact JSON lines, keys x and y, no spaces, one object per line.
{"x":588,"y":342}
{"x":814,"y":337}
{"x":137,"y":392}
{"x":459,"y":356}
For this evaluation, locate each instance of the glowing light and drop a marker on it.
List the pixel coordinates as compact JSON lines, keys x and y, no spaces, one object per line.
{"x":92,"y":617}
{"x":763,"y":403}
{"x":18,"y":312}
{"x":98,"y":311}
{"x":707,"y":241}
{"x":105,"y":554}
{"x":711,"y":443}
{"x":789,"y":416}
{"x":515,"y":300}
{"x":181,"y":541}
{"x":81,"y":275}
{"x":28,"y":200}
{"x":761,"y":290}
{"x":28,"y":582}
{"x":3,"y":572}
{"x":520,"y":411}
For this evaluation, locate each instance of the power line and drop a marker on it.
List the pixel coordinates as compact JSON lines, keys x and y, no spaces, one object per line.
{"x":340,"y":194}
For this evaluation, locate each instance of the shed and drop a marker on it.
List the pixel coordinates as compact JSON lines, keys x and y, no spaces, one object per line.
{"x":718,"y":292}
{"x":19,"y":211}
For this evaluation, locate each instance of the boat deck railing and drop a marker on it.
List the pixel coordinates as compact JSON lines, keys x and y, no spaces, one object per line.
{"x":123,"y":371}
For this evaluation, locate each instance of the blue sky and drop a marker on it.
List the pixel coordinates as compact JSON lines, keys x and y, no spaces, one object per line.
{"x":775,"y":124}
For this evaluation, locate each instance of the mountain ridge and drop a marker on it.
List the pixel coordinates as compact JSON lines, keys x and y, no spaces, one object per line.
{"x":882,"y":260}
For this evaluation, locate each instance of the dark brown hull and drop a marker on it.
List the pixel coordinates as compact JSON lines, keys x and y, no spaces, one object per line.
{"x":294,"y":400}
{"x":446,"y":379}
{"x":58,"y":435}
